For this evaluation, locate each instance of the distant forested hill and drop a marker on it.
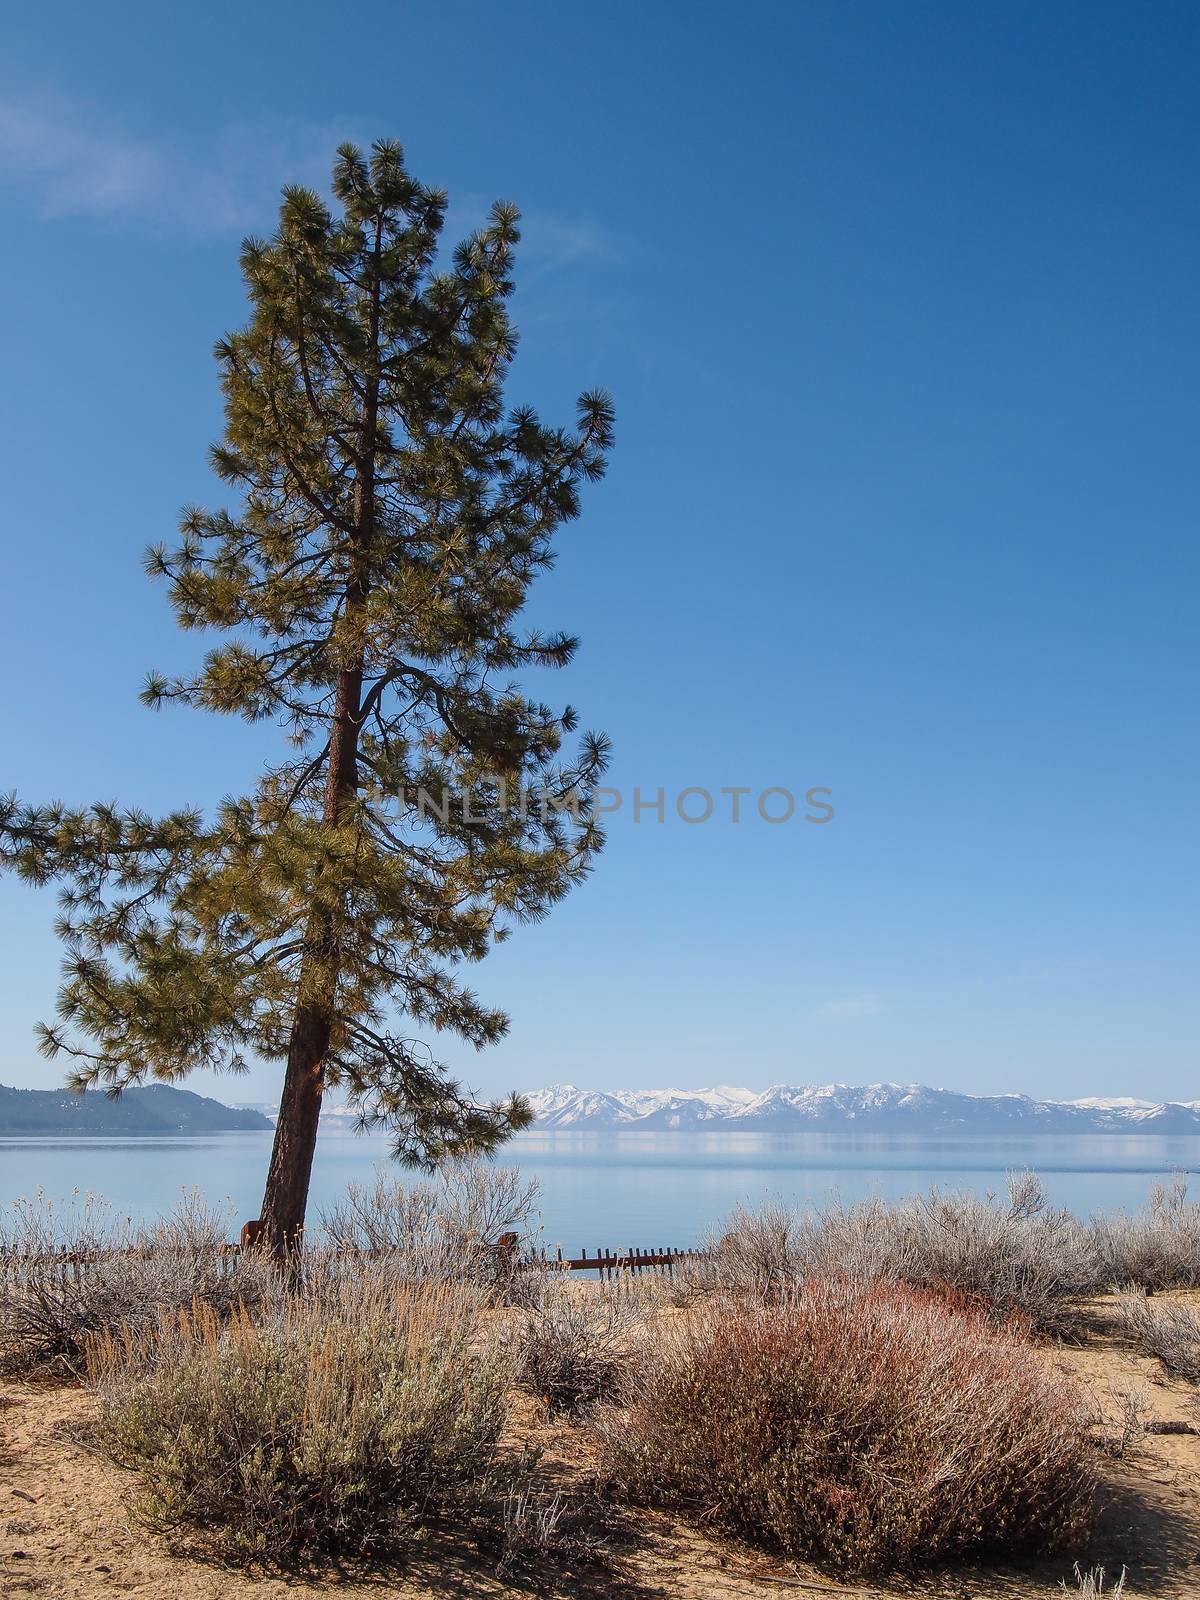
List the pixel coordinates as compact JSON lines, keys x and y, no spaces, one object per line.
{"x":155,"y":1109}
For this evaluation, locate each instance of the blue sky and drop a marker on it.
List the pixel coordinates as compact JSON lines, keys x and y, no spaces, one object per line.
{"x":898,"y":306}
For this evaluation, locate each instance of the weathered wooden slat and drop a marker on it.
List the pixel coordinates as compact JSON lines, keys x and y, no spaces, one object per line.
{"x":64,"y":1266}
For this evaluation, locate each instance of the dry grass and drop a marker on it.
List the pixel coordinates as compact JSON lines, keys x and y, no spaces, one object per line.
{"x":1093,"y":1583}
{"x":865,"y":1426}
{"x":540,"y":1526}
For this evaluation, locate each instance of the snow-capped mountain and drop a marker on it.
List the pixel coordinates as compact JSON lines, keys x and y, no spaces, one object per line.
{"x":565,"y":1106}
{"x":871,"y":1108}
{"x":877,"y":1107}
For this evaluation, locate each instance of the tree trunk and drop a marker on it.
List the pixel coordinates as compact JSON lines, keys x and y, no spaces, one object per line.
{"x":285,"y":1200}
{"x":286,"y":1197}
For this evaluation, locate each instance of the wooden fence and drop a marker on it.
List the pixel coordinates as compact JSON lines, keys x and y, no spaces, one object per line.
{"x":71,"y":1266}
{"x":68,"y":1266}
{"x":660,"y":1261}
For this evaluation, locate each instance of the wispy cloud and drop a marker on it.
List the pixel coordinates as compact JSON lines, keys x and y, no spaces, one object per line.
{"x":565,"y":265}
{"x":75,"y":160}
{"x":550,"y":244}
{"x":854,"y":1005}
{"x":69,"y":159}
{"x":78,"y":160}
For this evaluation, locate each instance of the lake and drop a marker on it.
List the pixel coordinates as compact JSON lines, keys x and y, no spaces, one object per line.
{"x":619,"y":1190}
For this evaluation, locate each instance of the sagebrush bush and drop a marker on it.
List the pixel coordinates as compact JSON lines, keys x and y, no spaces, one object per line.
{"x":575,"y":1344}
{"x":72,"y":1271}
{"x":339,"y":1422}
{"x":1157,"y":1247}
{"x":1163,"y":1328}
{"x":767,"y":1250}
{"x":444,"y":1232}
{"x":1025,"y":1257}
{"x":1011,"y":1257}
{"x":865,"y":1426}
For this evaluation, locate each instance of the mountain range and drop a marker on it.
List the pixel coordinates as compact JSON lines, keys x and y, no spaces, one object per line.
{"x":156,"y":1109}
{"x":899,"y":1108}
{"x":876,"y":1108}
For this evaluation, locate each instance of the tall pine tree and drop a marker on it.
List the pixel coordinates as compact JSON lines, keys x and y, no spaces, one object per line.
{"x":392,"y":516}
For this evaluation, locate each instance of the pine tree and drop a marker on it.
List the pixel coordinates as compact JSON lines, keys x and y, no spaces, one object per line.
{"x":392,"y":515}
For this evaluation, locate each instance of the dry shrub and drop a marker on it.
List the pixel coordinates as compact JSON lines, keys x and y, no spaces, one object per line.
{"x":759,"y":1252}
{"x":1119,"y":1429}
{"x":1163,"y":1328}
{"x":539,"y":1527}
{"x":1024,"y":1258}
{"x":861,"y":1425}
{"x":340,"y":1422}
{"x":765,"y":1252}
{"x":113,"y":1275}
{"x":1015,"y":1257}
{"x":446,"y":1232}
{"x":574,"y":1346}
{"x":1157,"y":1247}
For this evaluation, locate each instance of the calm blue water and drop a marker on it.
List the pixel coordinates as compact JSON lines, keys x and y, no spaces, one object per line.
{"x":618,"y":1190}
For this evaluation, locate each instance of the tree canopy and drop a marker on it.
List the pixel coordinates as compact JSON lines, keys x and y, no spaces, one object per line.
{"x":366,"y":589}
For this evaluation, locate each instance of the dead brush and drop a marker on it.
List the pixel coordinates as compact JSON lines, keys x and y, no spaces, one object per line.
{"x":1154,"y":1248}
{"x":1166,"y":1329}
{"x":445,"y":1232}
{"x":339,"y":1423}
{"x":1024,"y":1258}
{"x":574,"y":1346}
{"x":863,"y":1426}
{"x":72,"y":1272}
{"x":1119,"y":1428}
{"x":1015,"y":1257}
{"x":537,"y":1527}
